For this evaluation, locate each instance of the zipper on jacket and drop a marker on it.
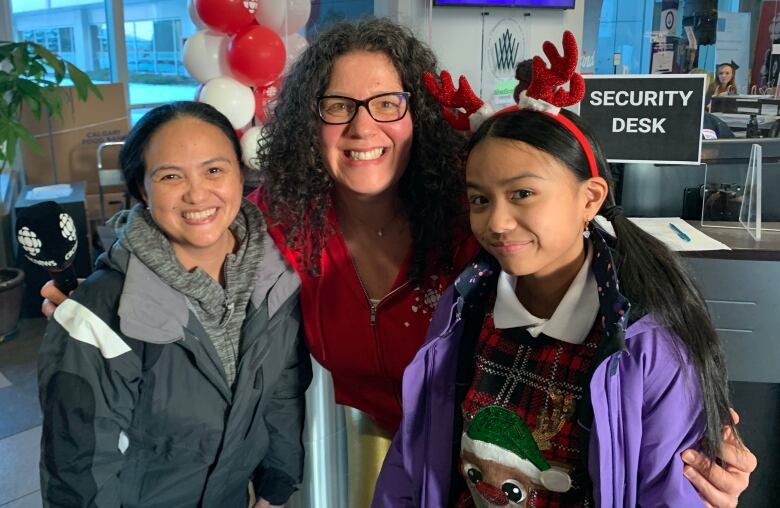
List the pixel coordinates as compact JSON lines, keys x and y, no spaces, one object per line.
{"x":229,"y":307}
{"x":372,"y":308}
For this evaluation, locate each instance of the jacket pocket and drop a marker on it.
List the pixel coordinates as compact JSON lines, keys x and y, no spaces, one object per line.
{"x":257,"y":387}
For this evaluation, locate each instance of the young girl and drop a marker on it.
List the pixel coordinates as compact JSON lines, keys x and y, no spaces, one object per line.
{"x":725,"y":82}
{"x":577,"y":366}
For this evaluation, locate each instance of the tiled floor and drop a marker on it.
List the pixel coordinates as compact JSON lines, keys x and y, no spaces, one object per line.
{"x":20,"y":417}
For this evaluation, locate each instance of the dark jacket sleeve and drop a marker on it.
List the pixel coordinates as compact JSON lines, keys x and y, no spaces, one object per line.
{"x":281,"y":471}
{"x":88,"y":383}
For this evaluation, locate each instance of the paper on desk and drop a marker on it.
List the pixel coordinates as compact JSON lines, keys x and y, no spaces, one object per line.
{"x":49,"y":192}
{"x":659,"y":228}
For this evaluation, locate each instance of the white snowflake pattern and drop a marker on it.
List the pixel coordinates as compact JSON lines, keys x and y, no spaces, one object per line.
{"x":67,"y":228}
{"x":29,"y":241}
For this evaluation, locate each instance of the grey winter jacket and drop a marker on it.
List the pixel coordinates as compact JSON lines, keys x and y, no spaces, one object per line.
{"x":137,"y":409}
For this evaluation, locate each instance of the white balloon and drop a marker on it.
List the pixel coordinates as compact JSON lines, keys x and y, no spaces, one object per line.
{"x":283,"y":17}
{"x":205,"y":55}
{"x":298,"y":12}
{"x":194,"y":16}
{"x":271,"y":13}
{"x":295,"y":45}
{"x":249,"y":146}
{"x":231,"y":98}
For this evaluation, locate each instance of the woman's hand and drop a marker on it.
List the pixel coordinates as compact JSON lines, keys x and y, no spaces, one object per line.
{"x":721,"y":485}
{"x":52,"y":298}
{"x":262,"y":503}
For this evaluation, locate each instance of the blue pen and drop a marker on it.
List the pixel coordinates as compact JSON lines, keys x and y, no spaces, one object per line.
{"x":680,"y":233}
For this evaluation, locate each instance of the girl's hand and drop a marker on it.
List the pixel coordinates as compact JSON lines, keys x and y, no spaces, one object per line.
{"x":721,"y":485}
{"x":262,"y":503}
{"x":52,"y":298}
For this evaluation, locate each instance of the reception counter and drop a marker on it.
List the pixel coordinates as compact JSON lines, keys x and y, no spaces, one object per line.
{"x":742,"y":290}
{"x":741,"y":287}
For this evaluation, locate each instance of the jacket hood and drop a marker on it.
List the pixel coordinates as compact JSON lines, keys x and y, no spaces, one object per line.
{"x":152,"y":311}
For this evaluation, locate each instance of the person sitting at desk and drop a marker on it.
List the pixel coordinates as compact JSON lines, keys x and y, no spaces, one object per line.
{"x":725,"y":82}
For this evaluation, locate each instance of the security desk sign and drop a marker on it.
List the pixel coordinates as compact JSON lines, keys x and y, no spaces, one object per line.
{"x":646,"y":118}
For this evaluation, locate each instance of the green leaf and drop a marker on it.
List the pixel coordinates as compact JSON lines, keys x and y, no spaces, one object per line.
{"x":52,"y":97}
{"x":10,"y":147}
{"x":34,"y":104}
{"x":6,"y":48}
{"x":28,"y":89}
{"x":19,"y":59}
{"x":37,"y":69}
{"x":82,"y":83}
{"x":57,"y":64}
{"x":23,"y":134}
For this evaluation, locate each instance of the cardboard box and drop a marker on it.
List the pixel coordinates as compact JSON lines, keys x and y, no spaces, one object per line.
{"x":102,"y":235}
{"x":76,"y":138}
{"x":112,"y":203}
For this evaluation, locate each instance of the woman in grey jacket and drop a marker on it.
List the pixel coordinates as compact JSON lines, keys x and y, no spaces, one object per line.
{"x":174,"y":374}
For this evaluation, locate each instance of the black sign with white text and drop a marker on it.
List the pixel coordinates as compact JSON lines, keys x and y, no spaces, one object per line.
{"x":646,"y":118}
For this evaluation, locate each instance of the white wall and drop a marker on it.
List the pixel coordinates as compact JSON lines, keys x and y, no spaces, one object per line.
{"x":457,"y":33}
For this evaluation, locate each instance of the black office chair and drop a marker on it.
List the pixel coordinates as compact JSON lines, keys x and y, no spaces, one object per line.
{"x":720,"y":127}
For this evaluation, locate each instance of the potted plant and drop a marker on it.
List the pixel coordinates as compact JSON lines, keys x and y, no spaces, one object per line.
{"x":30,"y":77}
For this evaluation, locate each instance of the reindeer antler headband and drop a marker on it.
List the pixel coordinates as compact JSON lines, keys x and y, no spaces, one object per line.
{"x":545,"y":94}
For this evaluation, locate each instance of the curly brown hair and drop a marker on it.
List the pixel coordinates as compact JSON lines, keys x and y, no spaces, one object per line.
{"x":297,"y":186}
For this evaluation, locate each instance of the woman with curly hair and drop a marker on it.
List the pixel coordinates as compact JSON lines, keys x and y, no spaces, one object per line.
{"x":363,"y":192}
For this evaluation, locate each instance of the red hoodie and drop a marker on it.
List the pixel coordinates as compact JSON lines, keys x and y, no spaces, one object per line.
{"x":366,"y":351}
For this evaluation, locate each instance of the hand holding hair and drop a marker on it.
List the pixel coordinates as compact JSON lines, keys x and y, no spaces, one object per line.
{"x":720,"y":484}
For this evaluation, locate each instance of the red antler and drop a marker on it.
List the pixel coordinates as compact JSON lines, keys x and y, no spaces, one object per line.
{"x":452,"y":100}
{"x":546,"y":83}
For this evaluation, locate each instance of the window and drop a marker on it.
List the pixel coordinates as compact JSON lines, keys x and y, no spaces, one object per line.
{"x":58,"y":40}
{"x":155,"y":31}
{"x":70,"y":28}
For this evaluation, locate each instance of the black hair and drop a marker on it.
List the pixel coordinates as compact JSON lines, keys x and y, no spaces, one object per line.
{"x":131,"y":157}
{"x":297,"y":186}
{"x":652,"y":277}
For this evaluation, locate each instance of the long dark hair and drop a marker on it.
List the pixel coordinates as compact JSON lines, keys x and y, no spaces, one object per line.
{"x":131,"y":157}
{"x":652,"y":277}
{"x":296,"y":185}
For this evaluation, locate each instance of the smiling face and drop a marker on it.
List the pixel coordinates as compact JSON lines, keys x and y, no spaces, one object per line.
{"x":193,"y":186}
{"x":526,"y":207}
{"x":365,"y":157}
{"x":725,"y":74}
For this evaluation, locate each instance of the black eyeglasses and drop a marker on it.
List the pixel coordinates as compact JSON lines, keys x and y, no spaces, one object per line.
{"x":385,"y":107}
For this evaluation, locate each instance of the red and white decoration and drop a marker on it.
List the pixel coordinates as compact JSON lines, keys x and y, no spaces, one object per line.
{"x":239,"y":55}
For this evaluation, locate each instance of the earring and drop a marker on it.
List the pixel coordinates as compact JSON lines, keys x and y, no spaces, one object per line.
{"x":585,"y":230}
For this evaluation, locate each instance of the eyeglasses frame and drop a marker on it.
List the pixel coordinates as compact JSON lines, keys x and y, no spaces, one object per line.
{"x":364,"y":103}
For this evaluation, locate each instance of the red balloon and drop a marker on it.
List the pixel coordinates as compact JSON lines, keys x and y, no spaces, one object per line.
{"x":263,"y":95}
{"x":256,"y":56}
{"x":225,"y":16}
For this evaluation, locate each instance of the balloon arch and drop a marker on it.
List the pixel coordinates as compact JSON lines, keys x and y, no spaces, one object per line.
{"x":239,"y":55}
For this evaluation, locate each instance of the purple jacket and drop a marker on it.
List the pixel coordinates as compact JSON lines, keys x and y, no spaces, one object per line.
{"x":646,"y":408}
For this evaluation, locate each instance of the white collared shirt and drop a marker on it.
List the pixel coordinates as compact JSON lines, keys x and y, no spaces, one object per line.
{"x":573,"y":318}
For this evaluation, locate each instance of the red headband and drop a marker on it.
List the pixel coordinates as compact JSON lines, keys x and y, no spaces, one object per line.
{"x":545,"y":94}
